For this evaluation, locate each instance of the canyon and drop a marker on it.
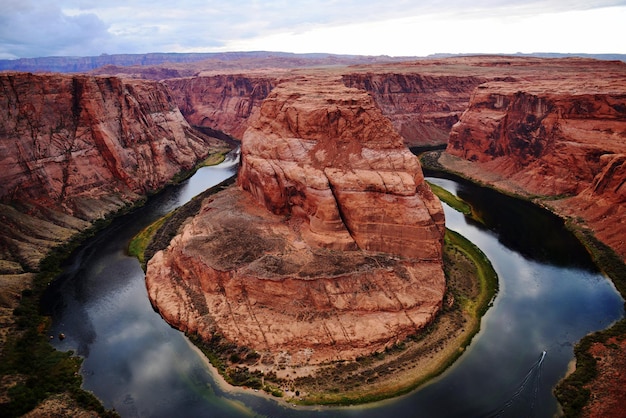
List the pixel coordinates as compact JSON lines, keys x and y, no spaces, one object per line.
{"x":77,"y":148}
{"x":566,"y":145}
{"x":73,"y":151}
{"x":546,"y":127}
{"x":331,"y":247}
{"x":325,"y":213}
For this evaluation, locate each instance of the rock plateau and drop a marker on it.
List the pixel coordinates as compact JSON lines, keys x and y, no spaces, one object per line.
{"x":329,"y":249}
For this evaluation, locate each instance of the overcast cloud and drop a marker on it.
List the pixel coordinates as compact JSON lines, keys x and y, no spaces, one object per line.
{"x":32,"y":28}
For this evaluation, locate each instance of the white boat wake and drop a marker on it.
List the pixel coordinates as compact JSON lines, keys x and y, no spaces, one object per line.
{"x":529,"y":382}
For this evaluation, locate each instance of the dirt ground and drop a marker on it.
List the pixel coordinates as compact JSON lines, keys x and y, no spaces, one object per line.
{"x":608,"y":392}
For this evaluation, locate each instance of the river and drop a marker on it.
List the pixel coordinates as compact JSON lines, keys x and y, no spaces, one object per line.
{"x":550,"y":296}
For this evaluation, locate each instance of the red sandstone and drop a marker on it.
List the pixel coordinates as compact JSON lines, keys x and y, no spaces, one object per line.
{"x":332,"y":251}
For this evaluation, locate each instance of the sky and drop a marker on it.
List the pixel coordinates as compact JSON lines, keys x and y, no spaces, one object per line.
{"x":37,"y":28}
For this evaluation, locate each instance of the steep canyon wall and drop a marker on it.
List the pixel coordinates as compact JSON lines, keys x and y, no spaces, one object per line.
{"x":223,"y":102}
{"x":421,"y":107}
{"x":74,"y":148}
{"x":562,"y":139}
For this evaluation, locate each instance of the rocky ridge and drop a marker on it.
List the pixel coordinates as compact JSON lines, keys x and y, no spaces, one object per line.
{"x":75,"y":148}
{"x":557,"y":121}
{"x":562,"y":139}
{"x":422,"y":107}
{"x":330,"y":249}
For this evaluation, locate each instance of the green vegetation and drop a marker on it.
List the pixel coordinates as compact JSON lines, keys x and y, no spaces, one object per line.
{"x":214,"y":159}
{"x":140,"y":242}
{"x":486,"y":275}
{"x":452,"y":201}
{"x":231,"y":361}
{"x":39,"y":369}
{"x":571,"y":391}
{"x":605,"y":258}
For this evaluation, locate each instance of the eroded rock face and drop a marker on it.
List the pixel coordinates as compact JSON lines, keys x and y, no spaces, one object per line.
{"x":74,"y":148}
{"x":560,"y":138}
{"x":223,"y":102}
{"x":324,"y":153}
{"x":331,"y":247}
{"x":421,"y":107}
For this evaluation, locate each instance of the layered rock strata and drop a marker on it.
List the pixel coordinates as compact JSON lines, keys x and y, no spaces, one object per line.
{"x":75,"y":148}
{"x":224,"y":102}
{"x":563,"y":138}
{"x":331,"y":248}
{"x":421,"y":107}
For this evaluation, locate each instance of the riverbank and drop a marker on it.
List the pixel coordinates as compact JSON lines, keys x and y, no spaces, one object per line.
{"x":32,"y":373}
{"x":591,"y":387}
{"x":471,"y":286}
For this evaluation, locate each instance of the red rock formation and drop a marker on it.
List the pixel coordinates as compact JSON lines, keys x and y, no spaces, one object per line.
{"x":334,"y":253}
{"x":74,"y":148}
{"x":223,"y":102}
{"x":421,"y":107}
{"x":608,"y":392}
{"x":300,"y":157}
{"x":555,"y":137}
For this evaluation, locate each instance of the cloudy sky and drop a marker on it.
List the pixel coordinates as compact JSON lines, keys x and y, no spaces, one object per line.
{"x":34,"y":28}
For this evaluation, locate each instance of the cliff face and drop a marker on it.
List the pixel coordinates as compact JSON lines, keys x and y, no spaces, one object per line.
{"x":558,"y":138}
{"x":328,"y":156}
{"x":421,"y":107}
{"x":223,"y":102}
{"x":331,"y":248}
{"x":74,"y":148}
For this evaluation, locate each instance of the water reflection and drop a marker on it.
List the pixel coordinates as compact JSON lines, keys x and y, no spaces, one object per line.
{"x":140,"y":366}
{"x":521,"y":226}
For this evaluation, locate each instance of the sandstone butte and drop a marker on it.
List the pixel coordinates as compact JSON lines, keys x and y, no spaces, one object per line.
{"x":552,"y":128}
{"x":329,"y":249}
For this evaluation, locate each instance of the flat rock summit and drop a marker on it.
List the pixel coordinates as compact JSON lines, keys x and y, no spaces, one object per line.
{"x":329,"y":249}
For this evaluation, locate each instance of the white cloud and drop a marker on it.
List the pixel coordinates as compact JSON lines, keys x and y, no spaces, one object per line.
{"x":42,"y":31}
{"x":594,"y":31}
{"x":393,"y":27}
